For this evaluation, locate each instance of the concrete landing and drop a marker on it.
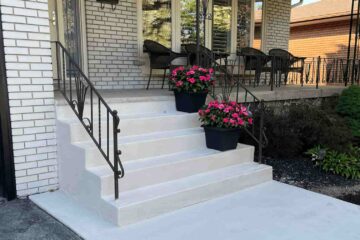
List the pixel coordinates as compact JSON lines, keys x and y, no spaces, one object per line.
{"x":270,"y":211}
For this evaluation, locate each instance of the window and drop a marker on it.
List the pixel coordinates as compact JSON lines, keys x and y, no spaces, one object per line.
{"x":226,"y":27}
{"x":188,"y":22}
{"x":259,"y":5}
{"x":157,"y":21}
{"x":243,"y":24}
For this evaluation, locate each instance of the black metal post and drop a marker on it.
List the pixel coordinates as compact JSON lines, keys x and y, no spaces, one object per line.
{"x":350,"y":40}
{"x":318,"y":72}
{"x":356,"y":44}
{"x":262,"y":114}
{"x":197,"y":32}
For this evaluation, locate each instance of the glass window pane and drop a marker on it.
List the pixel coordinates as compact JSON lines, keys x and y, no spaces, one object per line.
{"x":258,"y":24}
{"x":157,"y":21}
{"x":243,"y":24}
{"x":221,"y":39}
{"x":72,"y":29}
{"x":188,"y":22}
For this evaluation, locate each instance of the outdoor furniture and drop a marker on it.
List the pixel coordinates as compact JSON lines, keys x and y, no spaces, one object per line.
{"x":160,"y":58}
{"x":206,"y":55}
{"x":255,"y":60}
{"x":284,"y":63}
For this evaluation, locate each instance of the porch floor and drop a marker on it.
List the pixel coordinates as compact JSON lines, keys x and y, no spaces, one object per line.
{"x":269,"y":211}
{"x":282,"y":93}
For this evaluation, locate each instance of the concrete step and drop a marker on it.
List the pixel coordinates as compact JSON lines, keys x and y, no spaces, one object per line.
{"x":144,"y":172}
{"x":141,"y":105}
{"x":136,"y":124}
{"x":151,"y":201}
{"x":148,"y":145}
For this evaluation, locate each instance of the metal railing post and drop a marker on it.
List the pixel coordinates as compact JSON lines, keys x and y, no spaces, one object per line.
{"x":318,"y":72}
{"x":116,"y":131}
{"x":262,"y":114}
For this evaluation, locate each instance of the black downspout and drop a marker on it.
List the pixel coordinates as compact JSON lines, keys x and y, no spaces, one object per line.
{"x":7,"y":157}
{"x":356,"y":43}
{"x":350,"y":40}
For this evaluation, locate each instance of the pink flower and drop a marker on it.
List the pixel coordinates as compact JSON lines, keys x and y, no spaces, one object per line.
{"x":211,"y":71}
{"x":250,"y":120}
{"x":208,"y":77}
{"x":181,"y":68}
{"x":179,"y":83}
{"x":202,"y":70}
{"x":233,"y":103}
{"x":201,"y":113}
{"x":207,"y":111}
{"x":195,"y":67}
{"x":232,"y":121}
{"x":221,"y":106}
{"x":226,"y":120}
{"x":241,"y":122}
{"x":235,"y":115}
{"x":191,"y":80}
{"x":213,"y":118}
{"x":191,"y":72}
{"x":203,"y":78}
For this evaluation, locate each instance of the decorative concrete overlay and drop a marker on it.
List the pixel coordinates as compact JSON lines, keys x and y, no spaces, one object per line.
{"x":271,"y":211}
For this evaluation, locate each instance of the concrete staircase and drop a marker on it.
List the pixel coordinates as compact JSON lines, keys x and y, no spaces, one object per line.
{"x":166,"y":161}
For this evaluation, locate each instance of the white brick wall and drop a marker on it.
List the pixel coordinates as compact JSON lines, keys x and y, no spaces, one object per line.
{"x":112,"y":40}
{"x":277,"y":24}
{"x":29,"y":72}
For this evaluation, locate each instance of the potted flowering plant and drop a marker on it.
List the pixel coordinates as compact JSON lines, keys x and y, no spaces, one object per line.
{"x":222,"y":122}
{"x":191,"y":86}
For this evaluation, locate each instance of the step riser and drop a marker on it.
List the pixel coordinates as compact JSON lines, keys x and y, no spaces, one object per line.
{"x":140,"y":150}
{"x":159,"y":174}
{"x":129,"y":127}
{"x":65,"y":111}
{"x":139,"y":212}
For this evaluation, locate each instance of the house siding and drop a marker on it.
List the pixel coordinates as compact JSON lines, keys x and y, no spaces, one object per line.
{"x":31,"y":95}
{"x":329,"y":40}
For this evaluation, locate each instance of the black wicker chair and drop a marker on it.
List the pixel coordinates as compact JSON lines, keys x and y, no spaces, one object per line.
{"x":255,"y":60}
{"x":206,"y":55}
{"x":284,"y":62}
{"x":160,"y":58}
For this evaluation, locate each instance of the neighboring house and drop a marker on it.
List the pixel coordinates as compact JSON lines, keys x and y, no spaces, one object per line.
{"x":46,"y":147}
{"x":321,"y":29}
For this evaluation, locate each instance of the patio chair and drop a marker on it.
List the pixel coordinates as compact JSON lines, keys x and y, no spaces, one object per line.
{"x":206,"y":55}
{"x":255,"y":60}
{"x":284,"y":62}
{"x":160,"y":58}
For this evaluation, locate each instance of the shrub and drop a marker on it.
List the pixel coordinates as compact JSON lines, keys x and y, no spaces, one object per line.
{"x":349,"y":107}
{"x":225,"y":115}
{"x":344,"y":164}
{"x":293,"y":129}
{"x":194,"y":79}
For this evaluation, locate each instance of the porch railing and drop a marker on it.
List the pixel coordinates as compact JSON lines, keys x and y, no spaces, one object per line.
{"x":91,"y":109}
{"x":274,"y":72}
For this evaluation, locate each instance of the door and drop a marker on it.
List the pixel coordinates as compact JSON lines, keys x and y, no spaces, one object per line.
{"x":67,"y":25}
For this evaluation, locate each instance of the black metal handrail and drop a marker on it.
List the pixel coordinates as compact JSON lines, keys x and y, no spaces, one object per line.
{"x":74,"y":86}
{"x":231,"y":83}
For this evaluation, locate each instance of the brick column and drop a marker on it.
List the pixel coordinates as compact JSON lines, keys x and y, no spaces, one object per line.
{"x":29,"y":72}
{"x":277,"y":24}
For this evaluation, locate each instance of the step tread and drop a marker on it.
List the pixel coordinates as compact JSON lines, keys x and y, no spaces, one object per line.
{"x":135,"y":165}
{"x":74,"y":120}
{"x":137,"y":196}
{"x":148,"y":137}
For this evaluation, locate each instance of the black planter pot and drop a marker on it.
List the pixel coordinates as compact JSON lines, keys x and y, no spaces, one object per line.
{"x":189,"y":102}
{"x":221,"y":139}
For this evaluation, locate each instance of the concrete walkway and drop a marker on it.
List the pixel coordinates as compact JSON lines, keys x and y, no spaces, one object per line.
{"x":271,"y":211}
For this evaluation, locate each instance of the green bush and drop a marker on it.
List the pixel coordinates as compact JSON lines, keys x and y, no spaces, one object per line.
{"x":349,"y":107}
{"x":344,"y":164}
{"x":292,"y":129}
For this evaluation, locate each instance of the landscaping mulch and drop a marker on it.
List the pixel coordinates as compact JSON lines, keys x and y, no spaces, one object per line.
{"x":301,"y":172}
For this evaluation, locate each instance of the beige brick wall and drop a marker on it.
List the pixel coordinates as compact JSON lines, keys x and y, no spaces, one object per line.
{"x":277,"y":24}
